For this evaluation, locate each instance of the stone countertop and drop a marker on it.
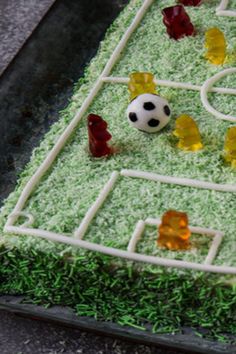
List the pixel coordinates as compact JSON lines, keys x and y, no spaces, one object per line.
{"x":19,"y":335}
{"x":17,"y":21}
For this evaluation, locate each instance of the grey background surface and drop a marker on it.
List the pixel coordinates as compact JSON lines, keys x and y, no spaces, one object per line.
{"x":25,"y":336}
{"x":18,"y":18}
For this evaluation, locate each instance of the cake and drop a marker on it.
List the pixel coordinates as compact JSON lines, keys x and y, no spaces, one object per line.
{"x":81,"y":230}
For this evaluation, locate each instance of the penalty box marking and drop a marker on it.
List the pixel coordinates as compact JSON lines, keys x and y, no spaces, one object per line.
{"x":115,"y":252}
{"x":140,"y":226}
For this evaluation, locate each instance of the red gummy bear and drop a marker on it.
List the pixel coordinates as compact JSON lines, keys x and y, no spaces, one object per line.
{"x":98,"y":136}
{"x":190,"y":2}
{"x":177,"y":22}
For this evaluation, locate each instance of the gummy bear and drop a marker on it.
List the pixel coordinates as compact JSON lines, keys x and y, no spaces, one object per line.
{"x":188,"y":133}
{"x":230,"y":146}
{"x":177,"y":22}
{"x":216,"y":46}
{"x":141,"y":82}
{"x":98,"y":136}
{"x":174,"y":232}
{"x":190,"y":2}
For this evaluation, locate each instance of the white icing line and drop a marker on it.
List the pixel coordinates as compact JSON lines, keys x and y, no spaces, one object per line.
{"x":30,"y":217}
{"x":120,"y":47}
{"x":223,"y":5}
{"x":205,"y":89}
{"x":121,"y":253}
{"x":172,"y":84}
{"x":214,"y":248}
{"x":70,"y":128}
{"x":187,"y":182}
{"x":153,"y":221}
{"x":139,"y":229}
{"x":227,"y":13}
{"x":79,"y":233}
{"x":222,"y":9}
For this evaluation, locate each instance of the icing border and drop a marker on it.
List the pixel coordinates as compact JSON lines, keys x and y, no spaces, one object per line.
{"x":43,"y":168}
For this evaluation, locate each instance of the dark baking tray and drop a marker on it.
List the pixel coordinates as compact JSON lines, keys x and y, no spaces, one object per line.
{"x":187,"y":341}
{"x":33,"y":89}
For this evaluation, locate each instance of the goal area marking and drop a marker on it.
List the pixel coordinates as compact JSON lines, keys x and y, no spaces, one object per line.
{"x":60,"y":143}
{"x":216,"y":234}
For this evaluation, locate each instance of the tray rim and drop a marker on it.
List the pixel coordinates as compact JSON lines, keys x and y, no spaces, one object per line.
{"x":66,"y":316}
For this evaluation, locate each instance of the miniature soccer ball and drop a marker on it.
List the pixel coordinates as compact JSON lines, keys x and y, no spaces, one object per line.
{"x":149,"y":112}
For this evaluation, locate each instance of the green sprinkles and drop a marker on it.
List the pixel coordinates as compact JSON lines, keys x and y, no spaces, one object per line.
{"x":93,"y":289}
{"x":98,"y":286}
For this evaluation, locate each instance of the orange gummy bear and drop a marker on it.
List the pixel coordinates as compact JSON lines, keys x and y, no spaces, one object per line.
{"x":174,"y":232}
{"x":141,"y":82}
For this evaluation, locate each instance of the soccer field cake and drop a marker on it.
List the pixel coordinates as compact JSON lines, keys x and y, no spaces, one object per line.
{"x":127,"y":209}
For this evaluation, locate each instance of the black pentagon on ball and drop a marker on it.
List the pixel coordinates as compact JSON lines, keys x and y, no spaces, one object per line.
{"x":153,"y":123}
{"x":149,"y":106}
{"x":133,"y":117}
{"x":167,"y":110}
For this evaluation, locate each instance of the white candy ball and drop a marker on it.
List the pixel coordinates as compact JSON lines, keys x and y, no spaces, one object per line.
{"x":148,"y":112}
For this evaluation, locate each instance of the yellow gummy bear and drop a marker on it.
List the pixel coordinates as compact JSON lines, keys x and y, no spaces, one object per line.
{"x":141,"y":82}
{"x":188,"y":133}
{"x":174,"y":232}
{"x":230,"y":146}
{"x":216,"y":46}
